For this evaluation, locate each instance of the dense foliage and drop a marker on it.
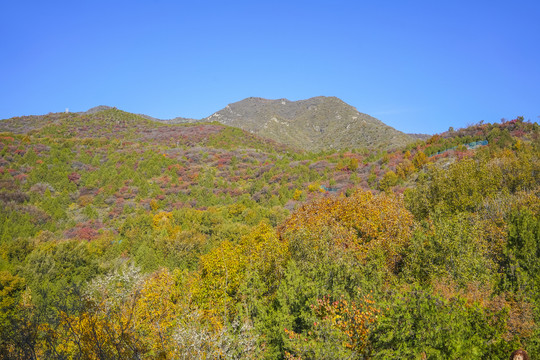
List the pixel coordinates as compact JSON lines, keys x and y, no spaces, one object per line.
{"x":122,"y":238}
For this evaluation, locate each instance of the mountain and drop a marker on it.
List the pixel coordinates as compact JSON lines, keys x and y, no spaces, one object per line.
{"x":96,"y":109}
{"x":422,"y":137}
{"x":315,"y":124}
{"x":107,"y":218}
{"x":176,"y":120}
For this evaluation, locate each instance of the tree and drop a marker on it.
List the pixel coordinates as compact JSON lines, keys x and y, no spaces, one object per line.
{"x":340,"y":330}
{"x":225,"y":269}
{"x":388,"y":180}
{"x":420,"y":324}
{"x":420,"y":159}
{"x":362,"y":223}
{"x":18,"y":323}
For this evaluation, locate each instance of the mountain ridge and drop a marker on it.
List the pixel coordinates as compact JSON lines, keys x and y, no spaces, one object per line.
{"x":314,"y":124}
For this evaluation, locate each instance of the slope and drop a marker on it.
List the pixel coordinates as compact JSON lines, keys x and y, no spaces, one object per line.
{"x":107,"y":123}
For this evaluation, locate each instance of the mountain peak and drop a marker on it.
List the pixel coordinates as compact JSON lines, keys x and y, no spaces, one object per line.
{"x":317,"y":123}
{"x":98,"y":108}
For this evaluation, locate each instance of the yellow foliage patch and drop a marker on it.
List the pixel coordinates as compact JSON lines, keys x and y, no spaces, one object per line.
{"x":360,"y":223}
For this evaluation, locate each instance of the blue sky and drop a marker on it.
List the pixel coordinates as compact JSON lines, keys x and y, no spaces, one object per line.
{"x":420,"y":66}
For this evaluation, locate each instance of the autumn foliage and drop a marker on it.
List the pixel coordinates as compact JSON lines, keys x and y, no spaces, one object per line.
{"x":123,"y":238}
{"x":361,"y":223}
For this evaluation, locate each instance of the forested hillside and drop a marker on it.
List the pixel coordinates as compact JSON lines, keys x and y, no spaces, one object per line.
{"x":125,"y":238}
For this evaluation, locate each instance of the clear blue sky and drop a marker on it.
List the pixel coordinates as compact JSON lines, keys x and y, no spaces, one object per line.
{"x":420,"y":66}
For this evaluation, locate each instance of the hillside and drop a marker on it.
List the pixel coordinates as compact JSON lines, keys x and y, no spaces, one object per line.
{"x":123,"y":237}
{"x":319,"y":123}
{"x":107,"y":123}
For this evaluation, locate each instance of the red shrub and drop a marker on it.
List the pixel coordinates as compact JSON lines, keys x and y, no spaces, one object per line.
{"x":74,"y":177}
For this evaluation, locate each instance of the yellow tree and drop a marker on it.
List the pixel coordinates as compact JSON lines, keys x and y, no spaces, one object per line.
{"x":361,"y":223}
{"x":106,"y":327}
{"x":126,"y":315}
{"x":224,"y":269}
{"x":157,"y":314}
